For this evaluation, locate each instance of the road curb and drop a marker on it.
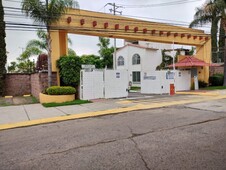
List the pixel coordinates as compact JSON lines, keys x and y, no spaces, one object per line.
{"x":104,"y":112}
{"x":199,"y":93}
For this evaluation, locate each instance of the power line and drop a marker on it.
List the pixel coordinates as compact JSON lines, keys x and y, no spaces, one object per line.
{"x":23,"y":15}
{"x":114,"y":19}
{"x":123,"y":19}
{"x":160,"y":4}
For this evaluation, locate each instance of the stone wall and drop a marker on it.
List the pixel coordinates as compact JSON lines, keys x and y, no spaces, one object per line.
{"x":216,"y":70}
{"x":39,"y":82}
{"x":17,"y":84}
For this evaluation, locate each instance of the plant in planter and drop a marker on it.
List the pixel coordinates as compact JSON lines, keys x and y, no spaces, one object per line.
{"x":60,"y":90}
{"x":58,"y":94}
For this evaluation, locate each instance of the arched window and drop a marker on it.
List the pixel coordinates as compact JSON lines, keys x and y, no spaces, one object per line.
{"x":120,"y":61}
{"x":136,"y":59}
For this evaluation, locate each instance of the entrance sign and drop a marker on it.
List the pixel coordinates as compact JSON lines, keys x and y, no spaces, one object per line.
{"x":149,"y":77}
{"x":170,"y":75}
{"x":88,"y":66}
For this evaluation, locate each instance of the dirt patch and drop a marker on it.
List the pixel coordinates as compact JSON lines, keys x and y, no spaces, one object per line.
{"x":18,"y":100}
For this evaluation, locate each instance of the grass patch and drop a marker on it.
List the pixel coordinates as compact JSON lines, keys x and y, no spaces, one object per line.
{"x":74,"y":102}
{"x":34,"y":100}
{"x":135,"y":88}
{"x":5,"y":102}
{"x":214,"y":88}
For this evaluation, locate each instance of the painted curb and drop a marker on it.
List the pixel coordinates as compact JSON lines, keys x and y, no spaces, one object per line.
{"x":104,"y":112}
{"x":199,"y":93}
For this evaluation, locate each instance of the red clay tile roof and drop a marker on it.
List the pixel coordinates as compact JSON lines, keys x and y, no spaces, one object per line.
{"x":191,"y":61}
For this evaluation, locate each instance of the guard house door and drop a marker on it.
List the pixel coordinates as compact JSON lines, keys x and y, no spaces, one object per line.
{"x":194,"y":74}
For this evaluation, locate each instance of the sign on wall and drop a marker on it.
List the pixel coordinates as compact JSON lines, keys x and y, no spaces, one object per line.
{"x":88,"y":66}
{"x":170,"y":75}
{"x":117,"y":75}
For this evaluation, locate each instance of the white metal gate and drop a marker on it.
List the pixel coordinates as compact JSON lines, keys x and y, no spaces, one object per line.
{"x":91,"y":85}
{"x":103,"y":84}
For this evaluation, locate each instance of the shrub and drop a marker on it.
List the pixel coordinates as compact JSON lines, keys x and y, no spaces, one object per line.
{"x":60,"y":90}
{"x":69,"y":68}
{"x":202,"y":84}
{"x":216,"y":80}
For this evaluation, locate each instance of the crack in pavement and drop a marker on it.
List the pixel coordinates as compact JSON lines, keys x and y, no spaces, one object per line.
{"x":138,"y":149}
{"x":82,"y":146}
{"x":130,"y":137}
{"x":134,"y":135}
{"x":140,"y":153}
{"x":189,"y":107}
{"x":166,"y":129}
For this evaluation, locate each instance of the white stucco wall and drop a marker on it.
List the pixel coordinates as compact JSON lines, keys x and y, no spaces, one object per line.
{"x":155,"y":45}
{"x":150,"y":58}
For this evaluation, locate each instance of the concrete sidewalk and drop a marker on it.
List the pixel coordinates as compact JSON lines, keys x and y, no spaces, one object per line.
{"x":21,"y":113}
{"x":34,"y":114}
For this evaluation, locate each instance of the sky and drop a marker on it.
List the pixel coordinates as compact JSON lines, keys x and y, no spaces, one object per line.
{"x":167,"y":11}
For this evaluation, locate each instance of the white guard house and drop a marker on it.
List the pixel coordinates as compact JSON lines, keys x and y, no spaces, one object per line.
{"x":141,"y":58}
{"x":138,"y":57}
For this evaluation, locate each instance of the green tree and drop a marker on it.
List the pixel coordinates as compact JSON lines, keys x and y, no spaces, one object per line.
{"x":47,"y":13}
{"x":106,"y":52}
{"x":92,"y":60}
{"x":71,"y":52}
{"x":40,"y":45}
{"x":212,"y":12}
{"x":69,"y":69}
{"x":12,"y":67}
{"x":3,"y":56}
{"x":25,"y":65}
{"x":167,"y":60}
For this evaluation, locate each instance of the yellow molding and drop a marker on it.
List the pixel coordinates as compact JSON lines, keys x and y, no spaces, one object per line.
{"x":26,"y":95}
{"x":8,"y":97}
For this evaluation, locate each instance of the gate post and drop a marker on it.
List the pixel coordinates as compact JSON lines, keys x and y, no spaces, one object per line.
{"x":59,"y":47}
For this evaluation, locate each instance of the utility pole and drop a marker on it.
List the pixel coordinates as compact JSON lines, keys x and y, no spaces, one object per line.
{"x":114,"y":10}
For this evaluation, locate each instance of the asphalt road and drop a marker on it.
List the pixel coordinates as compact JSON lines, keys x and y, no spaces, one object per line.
{"x":179,"y":137}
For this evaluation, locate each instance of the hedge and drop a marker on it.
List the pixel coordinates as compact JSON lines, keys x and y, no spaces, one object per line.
{"x":202,"y":84}
{"x":216,"y":80}
{"x":60,"y":90}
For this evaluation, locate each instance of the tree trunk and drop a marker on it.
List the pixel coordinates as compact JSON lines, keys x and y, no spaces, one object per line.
{"x":214,"y":30}
{"x":49,"y":58}
{"x":221,"y":42}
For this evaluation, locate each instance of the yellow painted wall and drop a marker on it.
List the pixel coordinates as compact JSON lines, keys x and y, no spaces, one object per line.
{"x":59,"y":48}
{"x":55,"y":98}
{"x":203,"y":52}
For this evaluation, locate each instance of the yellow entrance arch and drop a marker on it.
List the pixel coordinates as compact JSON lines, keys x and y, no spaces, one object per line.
{"x":84,"y":22}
